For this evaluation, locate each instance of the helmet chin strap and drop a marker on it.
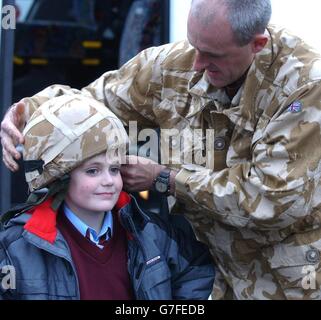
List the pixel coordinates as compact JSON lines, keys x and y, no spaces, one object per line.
{"x":58,"y":199}
{"x":58,"y":191}
{"x":55,"y":190}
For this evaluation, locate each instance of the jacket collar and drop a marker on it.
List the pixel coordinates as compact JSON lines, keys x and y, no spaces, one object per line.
{"x":132,"y":211}
{"x":42,"y":222}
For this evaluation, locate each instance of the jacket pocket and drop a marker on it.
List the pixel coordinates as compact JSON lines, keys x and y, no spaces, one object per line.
{"x":296,"y":269}
{"x":156,"y":282}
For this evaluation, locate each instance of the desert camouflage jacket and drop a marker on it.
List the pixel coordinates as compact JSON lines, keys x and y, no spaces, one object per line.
{"x":256,"y":198}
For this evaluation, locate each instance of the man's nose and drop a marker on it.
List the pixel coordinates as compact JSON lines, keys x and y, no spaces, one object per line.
{"x":200,"y":62}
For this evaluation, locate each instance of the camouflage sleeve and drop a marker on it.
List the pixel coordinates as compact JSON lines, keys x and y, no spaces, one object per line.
{"x":133,"y":91}
{"x":130,"y":92}
{"x":280,"y":185}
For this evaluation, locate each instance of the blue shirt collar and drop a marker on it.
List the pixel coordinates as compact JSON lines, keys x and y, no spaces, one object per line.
{"x":83,"y":227}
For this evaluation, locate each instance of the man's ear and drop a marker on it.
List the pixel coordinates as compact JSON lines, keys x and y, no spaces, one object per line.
{"x":259,"y":42}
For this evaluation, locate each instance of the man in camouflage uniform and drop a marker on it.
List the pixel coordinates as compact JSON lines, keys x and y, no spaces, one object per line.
{"x":259,"y":88}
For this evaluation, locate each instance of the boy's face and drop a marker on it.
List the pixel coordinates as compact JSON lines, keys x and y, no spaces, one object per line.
{"x":94,"y":186}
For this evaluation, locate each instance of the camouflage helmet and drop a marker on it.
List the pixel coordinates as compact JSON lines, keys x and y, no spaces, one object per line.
{"x":65,"y":131}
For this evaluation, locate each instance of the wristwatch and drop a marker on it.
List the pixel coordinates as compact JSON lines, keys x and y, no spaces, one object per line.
{"x":162,"y":182}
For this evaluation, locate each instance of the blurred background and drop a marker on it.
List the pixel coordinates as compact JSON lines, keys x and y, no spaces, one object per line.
{"x":74,"y":41}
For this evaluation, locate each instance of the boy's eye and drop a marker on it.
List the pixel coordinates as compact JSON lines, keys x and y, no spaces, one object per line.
{"x":114,"y":170}
{"x":92,"y":171}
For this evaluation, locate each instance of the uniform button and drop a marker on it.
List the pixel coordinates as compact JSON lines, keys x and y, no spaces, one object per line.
{"x":174,"y":143}
{"x":313,"y":256}
{"x":219,"y":143}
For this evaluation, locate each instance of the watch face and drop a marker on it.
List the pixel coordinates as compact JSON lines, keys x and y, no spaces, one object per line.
{"x":160,"y":186}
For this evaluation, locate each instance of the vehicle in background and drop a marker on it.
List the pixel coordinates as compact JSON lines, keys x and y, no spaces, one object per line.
{"x":70,"y":41}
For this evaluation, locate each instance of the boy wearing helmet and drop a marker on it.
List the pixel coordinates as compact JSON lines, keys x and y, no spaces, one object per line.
{"x":84,"y":238}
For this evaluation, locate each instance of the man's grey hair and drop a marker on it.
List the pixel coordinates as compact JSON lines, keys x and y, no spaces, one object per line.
{"x":248,"y":18}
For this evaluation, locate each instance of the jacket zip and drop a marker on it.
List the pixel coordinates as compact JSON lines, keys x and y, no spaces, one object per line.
{"x":141,"y":268}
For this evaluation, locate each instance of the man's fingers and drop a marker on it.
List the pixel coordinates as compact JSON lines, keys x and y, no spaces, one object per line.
{"x":133,"y":160}
{"x":127,"y":178}
{"x":13,"y":122}
{"x":125,"y":170}
{"x":10,"y":135}
{"x":12,"y":166}
{"x":9,"y":150}
{"x":9,"y":162}
{"x":8,"y":142}
{"x":9,"y":132}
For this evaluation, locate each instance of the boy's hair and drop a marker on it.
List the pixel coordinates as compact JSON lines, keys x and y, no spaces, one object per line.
{"x":64,"y":132}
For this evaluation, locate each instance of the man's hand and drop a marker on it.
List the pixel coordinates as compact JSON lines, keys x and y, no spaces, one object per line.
{"x":11,"y":127}
{"x":139,"y":173}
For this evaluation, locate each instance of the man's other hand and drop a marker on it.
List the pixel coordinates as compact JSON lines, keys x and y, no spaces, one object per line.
{"x":11,"y":127}
{"x":139,"y":173}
